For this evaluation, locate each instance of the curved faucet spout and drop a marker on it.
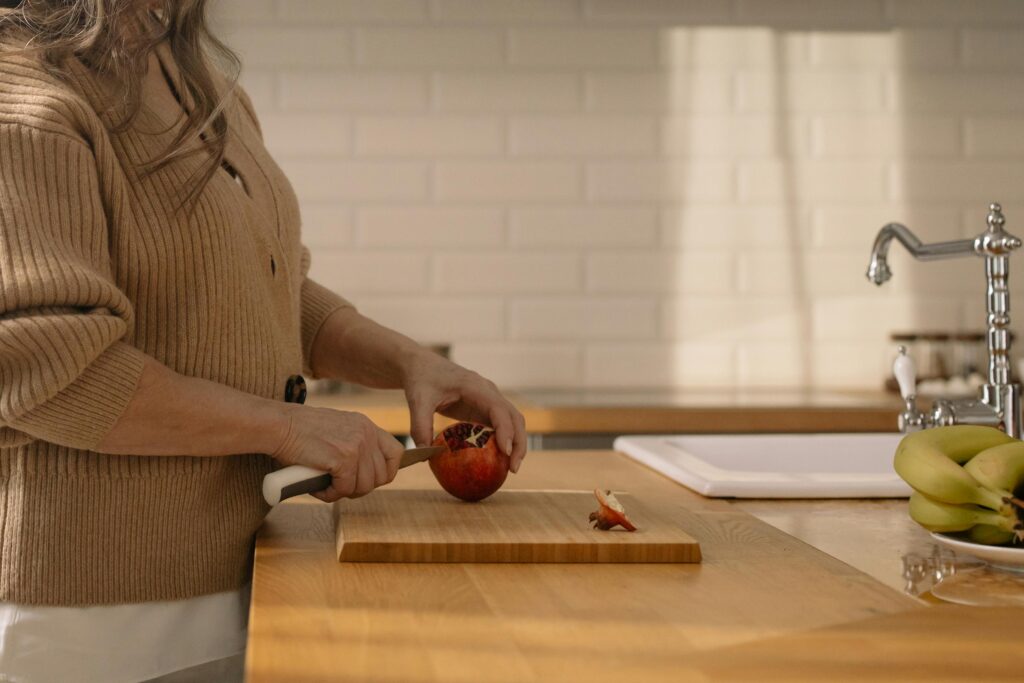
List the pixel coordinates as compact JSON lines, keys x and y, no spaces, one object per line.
{"x":878,"y":267}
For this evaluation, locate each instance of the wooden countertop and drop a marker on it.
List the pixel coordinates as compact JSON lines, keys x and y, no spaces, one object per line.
{"x":764,"y":605}
{"x":651,"y":412}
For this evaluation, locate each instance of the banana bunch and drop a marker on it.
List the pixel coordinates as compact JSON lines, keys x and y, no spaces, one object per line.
{"x":965,"y":478}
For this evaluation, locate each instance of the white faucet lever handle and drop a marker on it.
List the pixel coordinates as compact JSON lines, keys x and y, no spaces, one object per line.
{"x":906,"y":374}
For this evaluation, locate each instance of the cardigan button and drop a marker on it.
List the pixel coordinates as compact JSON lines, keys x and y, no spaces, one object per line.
{"x":295,"y":389}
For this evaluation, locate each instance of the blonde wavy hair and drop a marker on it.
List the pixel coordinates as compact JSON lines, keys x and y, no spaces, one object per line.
{"x":115,"y":39}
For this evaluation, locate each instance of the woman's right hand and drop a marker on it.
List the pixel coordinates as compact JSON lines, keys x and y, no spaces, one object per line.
{"x":357,"y":453}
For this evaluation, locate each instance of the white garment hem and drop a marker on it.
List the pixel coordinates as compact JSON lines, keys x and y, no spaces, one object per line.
{"x":209,"y":657}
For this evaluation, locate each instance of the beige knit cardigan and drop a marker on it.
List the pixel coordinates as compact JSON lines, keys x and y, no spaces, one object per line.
{"x":99,"y":269}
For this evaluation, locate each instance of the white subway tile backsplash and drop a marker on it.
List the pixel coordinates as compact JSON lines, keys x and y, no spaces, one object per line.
{"x":956,"y":181}
{"x":470,"y":272}
{"x":591,"y":318}
{"x":771,"y":364}
{"x":813,"y":181}
{"x":318,"y":180}
{"x":670,"y":12}
{"x":733,"y":226}
{"x":227,"y":15}
{"x":306,"y":135}
{"x":425,"y":47}
{"x":261,"y":87}
{"x":736,"y":136}
{"x":429,"y":136}
{"x":810,"y":91}
{"x":583,"y":226}
{"x":873,"y":315}
{"x":354,"y":91}
{"x":998,"y":93}
{"x":801,"y":12}
{"x":626,"y":365}
{"x":711,"y":47}
{"x":501,"y":11}
{"x":583,"y":47}
{"x":519,"y":181}
{"x":995,"y":137}
{"x":956,"y":12}
{"x":701,"y":181}
{"x":801,"y":275}
{"x":343,"y":11}
{"x":653,"y":272}
{"x":527,"y":365}
{"x":751,"y":319}
{"x":375,"y":272}
{"x":632,"y":91}
{"x":890,"y":136}
{"x":846,"y":365}
{"x":581,"y":136}
{"x":438,"y":320}
{"x":829,"y":365}
{"x":326,"y":226}
{"x":644,"y":193}
{"x":406,"y":227}
{"x":896,"y":49}
{"x":994,"y":48}
{"x":507,"y":91}
{"x":277,"y":46}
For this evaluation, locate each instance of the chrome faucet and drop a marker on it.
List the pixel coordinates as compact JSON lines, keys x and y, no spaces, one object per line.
{"x":999,"y":404}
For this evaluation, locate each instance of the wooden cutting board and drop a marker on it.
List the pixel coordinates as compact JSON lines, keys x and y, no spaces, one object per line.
{"x":510,"y":526}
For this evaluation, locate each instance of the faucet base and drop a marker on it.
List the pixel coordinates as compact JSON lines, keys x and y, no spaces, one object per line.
{"x":999,"y":407}
{"x":1005,"y":400}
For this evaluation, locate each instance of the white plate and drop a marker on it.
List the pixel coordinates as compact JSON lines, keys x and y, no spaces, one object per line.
{"x":774,"y":465}
{"x":1004,"y":557}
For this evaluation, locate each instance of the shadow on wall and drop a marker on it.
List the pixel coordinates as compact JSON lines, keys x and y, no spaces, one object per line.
{"x":835,"y":132}
{"x":760,"y":330}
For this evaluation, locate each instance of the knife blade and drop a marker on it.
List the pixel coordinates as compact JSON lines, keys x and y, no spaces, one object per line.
{"x":295,"y":480}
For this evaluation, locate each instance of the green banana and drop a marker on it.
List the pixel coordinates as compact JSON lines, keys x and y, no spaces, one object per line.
{"x":935,"y":515}
{"x":989,"y":535}
{"x":930,"y":461}
{"x":1000,"y":468}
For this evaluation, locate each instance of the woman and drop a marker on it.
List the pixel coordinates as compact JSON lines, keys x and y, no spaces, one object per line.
{"x":153,"y":306}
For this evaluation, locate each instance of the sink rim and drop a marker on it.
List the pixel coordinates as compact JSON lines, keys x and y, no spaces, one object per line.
{"x":696,"y":472}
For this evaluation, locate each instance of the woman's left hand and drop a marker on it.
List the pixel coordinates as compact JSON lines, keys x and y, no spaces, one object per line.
{"x":434,"y":384}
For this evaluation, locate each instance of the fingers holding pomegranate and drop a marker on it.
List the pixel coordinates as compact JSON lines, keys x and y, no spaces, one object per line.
{"x":471,"y":467}
{"x":359,"y":455}
{"x":510,"y":432}
{"x":434,"y":384}
{"x":423,"y":403}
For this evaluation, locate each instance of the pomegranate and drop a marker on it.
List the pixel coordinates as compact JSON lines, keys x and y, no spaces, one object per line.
{"x":471,"y":467}
{"x":611,"y":513}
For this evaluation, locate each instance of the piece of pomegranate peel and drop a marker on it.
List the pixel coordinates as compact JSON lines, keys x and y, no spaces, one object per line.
{"x":610,"y":514}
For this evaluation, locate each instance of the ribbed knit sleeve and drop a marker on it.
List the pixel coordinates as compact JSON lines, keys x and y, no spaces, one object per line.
{"x":318,"y":303}
{"x":65,"y":375}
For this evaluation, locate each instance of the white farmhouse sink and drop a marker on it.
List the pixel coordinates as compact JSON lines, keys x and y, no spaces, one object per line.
{"x":774,"y":465}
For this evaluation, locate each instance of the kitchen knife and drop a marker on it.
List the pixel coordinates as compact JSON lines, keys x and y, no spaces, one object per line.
{"x":295,"y":480}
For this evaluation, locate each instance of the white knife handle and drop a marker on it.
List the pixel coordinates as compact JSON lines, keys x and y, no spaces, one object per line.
{"x":293,"y":480}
